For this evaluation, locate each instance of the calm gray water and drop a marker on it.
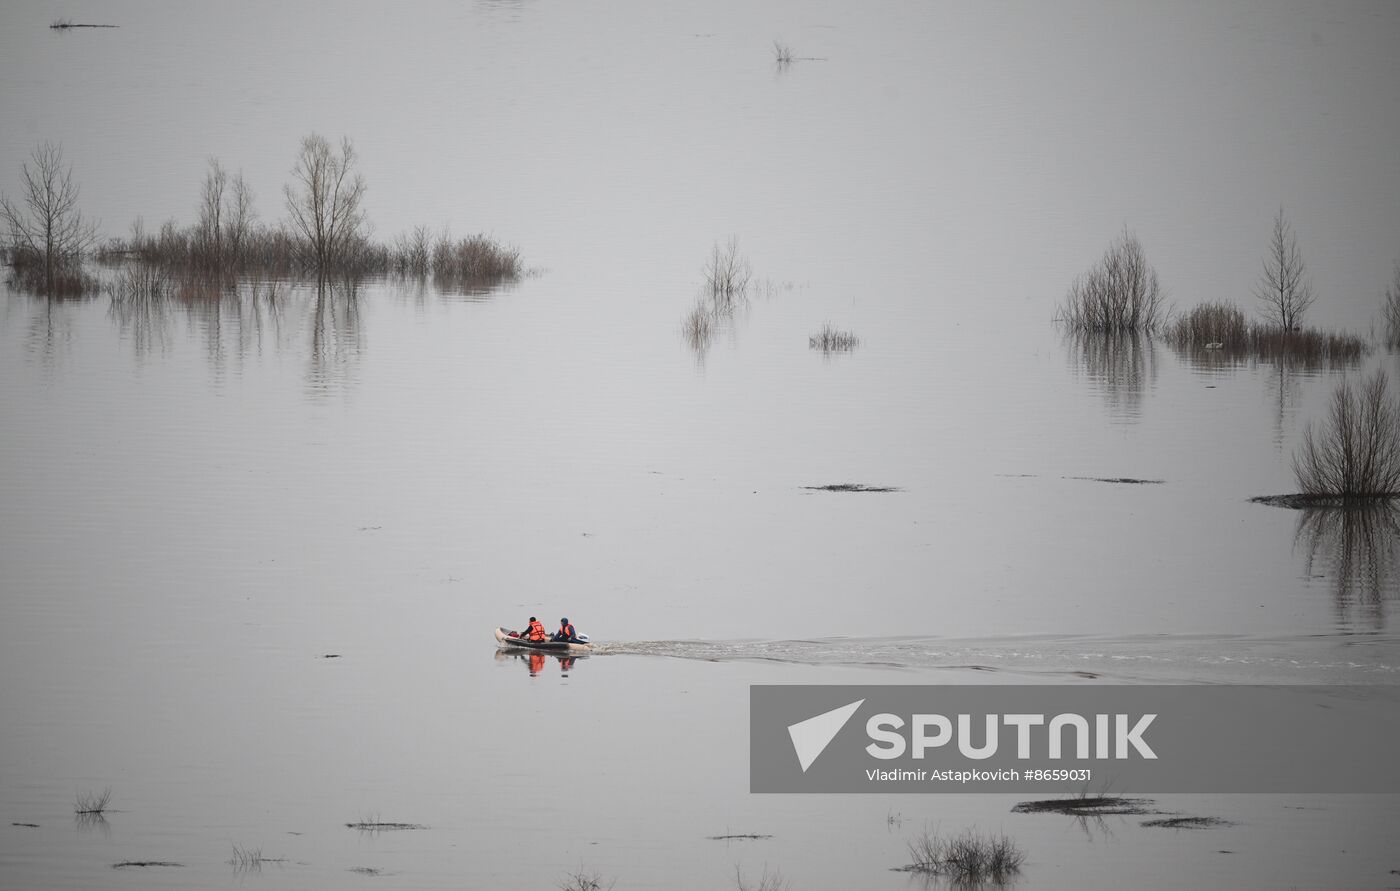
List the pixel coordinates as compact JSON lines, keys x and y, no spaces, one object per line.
{"x":202,"y":501}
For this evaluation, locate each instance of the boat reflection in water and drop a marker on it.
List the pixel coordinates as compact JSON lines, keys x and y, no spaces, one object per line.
{"x":536,"y":661}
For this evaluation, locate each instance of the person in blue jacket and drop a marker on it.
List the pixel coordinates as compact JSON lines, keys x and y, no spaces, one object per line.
{"x":566,"y":632}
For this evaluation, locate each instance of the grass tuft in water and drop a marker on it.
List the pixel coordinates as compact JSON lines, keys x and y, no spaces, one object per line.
{"x":374,"y":824}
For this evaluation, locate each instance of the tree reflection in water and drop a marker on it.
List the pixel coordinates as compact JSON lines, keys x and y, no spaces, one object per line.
{"x":1355,"y":548}
{"x":1121,"y":366}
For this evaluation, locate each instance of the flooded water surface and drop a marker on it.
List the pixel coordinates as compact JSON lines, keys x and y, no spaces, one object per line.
{"x":254,"y":541}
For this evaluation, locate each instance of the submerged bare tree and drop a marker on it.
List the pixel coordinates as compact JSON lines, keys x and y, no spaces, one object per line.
{"x":1356,"y":452}
{"x":1391,"y":309}
{"x":324,"y":202}
{"x":1120,"y":293}
{"x":225,"y":217}
{"x":1284,"y":291}
{"x":413,"y":252}
{"x":727,"y":274}
{"x":46,"y":231}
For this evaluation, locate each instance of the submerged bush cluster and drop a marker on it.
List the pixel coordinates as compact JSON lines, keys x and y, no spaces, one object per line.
{"x":1120,"y":293}
{"x":1209,"y":325}
{"x":324,"y":232}
{"x":1223,"y":327}
{"x":1355,"y":452}
{"x":472,"y":260}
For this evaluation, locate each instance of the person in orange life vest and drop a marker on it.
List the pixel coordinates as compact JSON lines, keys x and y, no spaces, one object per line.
{"x":537,"y":661}
{"x":535,"y":630}
{"x":566,"y":633}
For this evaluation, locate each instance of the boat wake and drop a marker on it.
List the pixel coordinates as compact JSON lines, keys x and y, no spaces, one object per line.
{"x":1340,"y":658}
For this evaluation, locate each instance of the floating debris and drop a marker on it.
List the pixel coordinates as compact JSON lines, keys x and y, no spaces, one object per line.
{"x":1188,"y":823}
{"x":144,"y":863}
{"x":742,"y":835}
{"x":1120,"y":480}
{"x":1087,"y":806}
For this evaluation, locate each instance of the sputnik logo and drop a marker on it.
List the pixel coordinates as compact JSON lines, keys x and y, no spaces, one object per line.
{"x":811,"y":737}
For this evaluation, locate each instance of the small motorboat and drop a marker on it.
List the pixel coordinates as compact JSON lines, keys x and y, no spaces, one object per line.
{"x":508,"y":638}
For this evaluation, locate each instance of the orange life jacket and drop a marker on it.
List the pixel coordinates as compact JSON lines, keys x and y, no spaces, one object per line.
{"x":536,"y":631}
{"x":566,"y":632}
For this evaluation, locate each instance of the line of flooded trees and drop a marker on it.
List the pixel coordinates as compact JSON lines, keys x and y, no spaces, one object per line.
{"x":1351,"y":455}
{"x":324,"y":233}
{"x":1121,"y":294}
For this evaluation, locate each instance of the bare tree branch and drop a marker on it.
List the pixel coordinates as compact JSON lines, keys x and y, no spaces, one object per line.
{"x":47,"y":234}
{"x":324,"y":202}
{"x":1284,"y":290}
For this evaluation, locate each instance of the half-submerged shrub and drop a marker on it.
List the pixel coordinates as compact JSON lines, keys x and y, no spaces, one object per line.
{"x":833,"y":340}
{"x":184,"y":250}
{"x":475,"y":261}
{"x":1120,"y":293}
{"x":1222,"y":326}
{"x":585,"y":880}
{"x":970,"y":857}
{"x":699,"y":328}
{"x":1355,"y":452}
{"x":57,"y":278}
{"x":727,"y":275}
{"x":139,"y":282}
{"x":1307,"y":346}
{"x":1210,"y":325}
